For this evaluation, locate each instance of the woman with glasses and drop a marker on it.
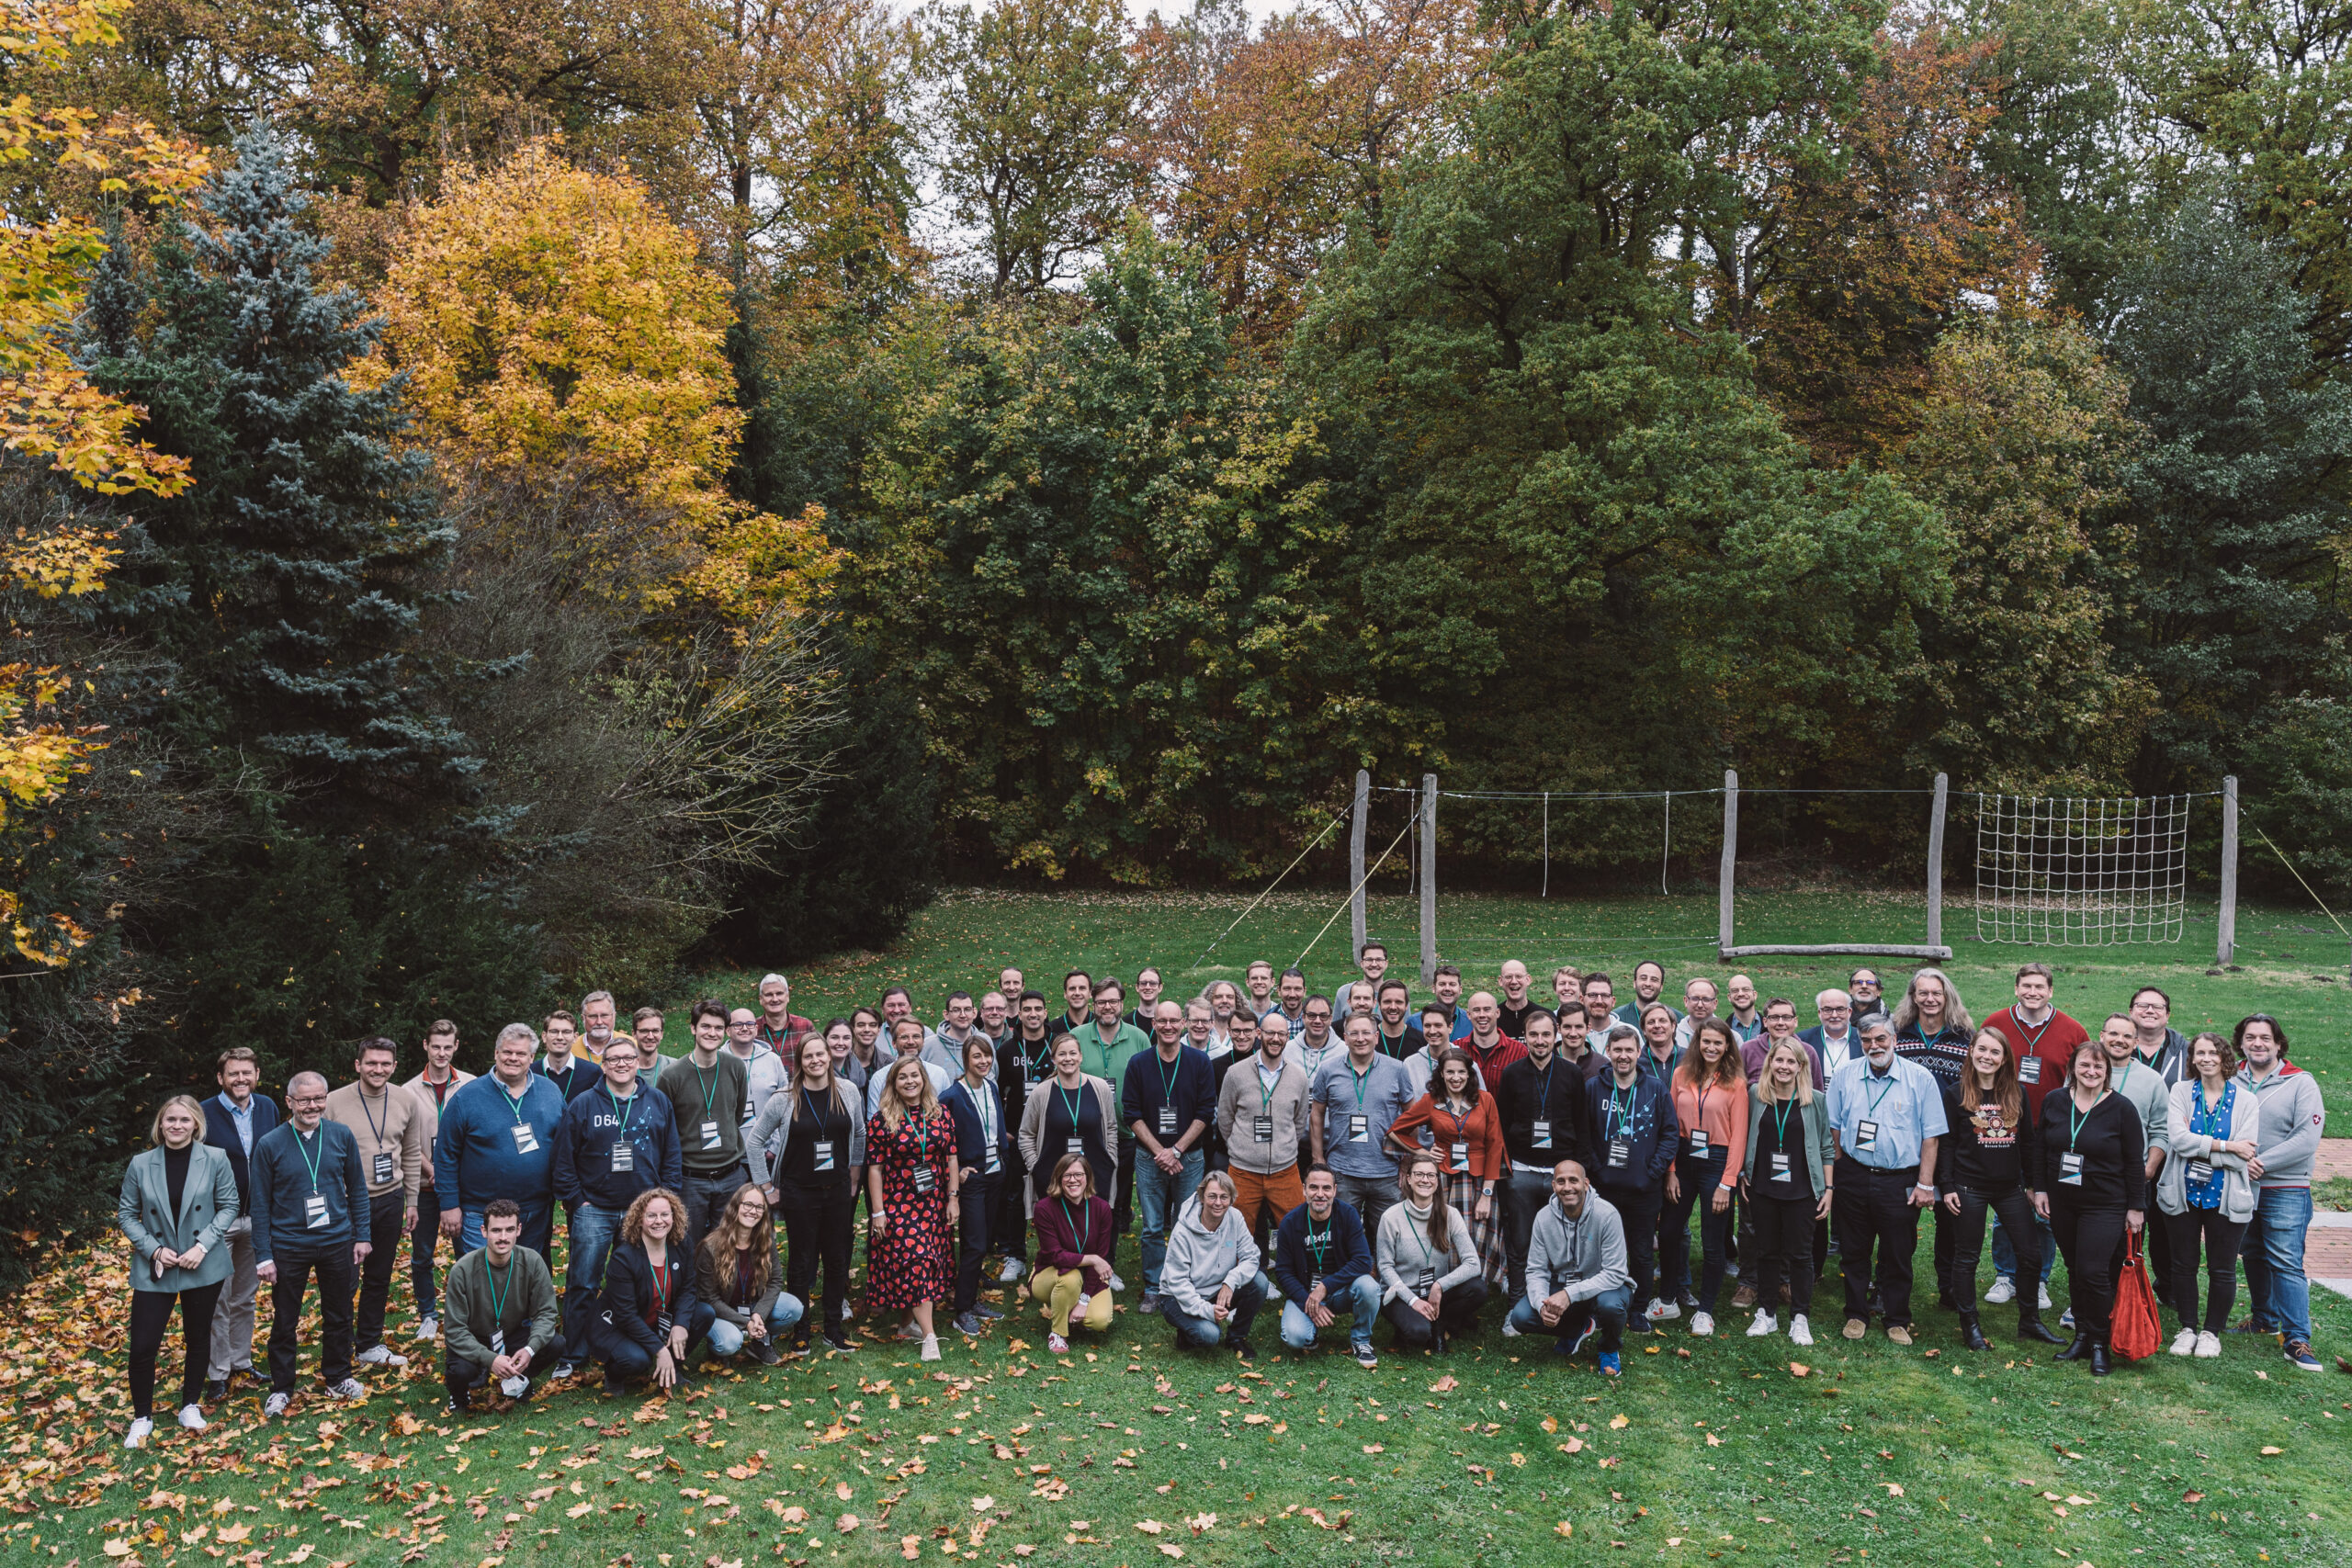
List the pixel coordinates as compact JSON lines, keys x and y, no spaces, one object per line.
{"x":2204,"y":1193}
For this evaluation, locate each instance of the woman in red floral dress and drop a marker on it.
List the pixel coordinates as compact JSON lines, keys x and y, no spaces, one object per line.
{"x":910,"y":1180}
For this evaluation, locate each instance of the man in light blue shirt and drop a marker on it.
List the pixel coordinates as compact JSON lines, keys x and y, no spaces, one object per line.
{"x":1885,"y":1116}
{"x":1352,"y":1101}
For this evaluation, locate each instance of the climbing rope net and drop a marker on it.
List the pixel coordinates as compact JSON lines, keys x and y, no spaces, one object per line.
{"x":2081,"y":872}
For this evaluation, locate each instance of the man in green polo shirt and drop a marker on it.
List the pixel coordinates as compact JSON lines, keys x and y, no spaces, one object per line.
{"x":1110,"y":1043}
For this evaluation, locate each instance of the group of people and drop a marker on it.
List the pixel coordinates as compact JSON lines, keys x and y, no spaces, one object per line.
{"x":1351,"y":1156}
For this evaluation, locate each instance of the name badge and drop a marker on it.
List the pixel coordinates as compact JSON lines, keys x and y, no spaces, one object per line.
{"x":1699,"y":1142}
{"x":1167,"y":1121}
{"x":923,"y":1177}
{"x":317,"y":1210}
{"x":1359,"y":1128}
{"x":990,"y":1166}
{"x":823,"y":1149}
{"x":2070,"y":1169}
{"x":498,"y":1342}
{"x":1540,"y":1134}
{"x":623,"y":1158}
{"x":1780,"y":1169}
{"x":526,"y":1142}
{"x":710,"y":1133}
{"x":1426,"y":1282}
{"x":1620,"y":1154}
{"x":1263,"y":1127}
{"x":750,"y":1114}
{"x":661,"y":1326}
{"x":383,"y":1169}
{"x":2200,"y":1173}
{"x":2029,"y":1070}
{"x":1458,"y":1159}
{"x":1866,"y":1134}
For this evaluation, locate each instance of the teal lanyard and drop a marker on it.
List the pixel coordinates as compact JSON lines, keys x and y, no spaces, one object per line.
{"x":308,"y":1159}
{"x":2078,"y":1117}
{"x":1077,"y":1231}
{"x":1319,"y":1245}
{"x":1360,"y":1079}
{"x":514,"y":1102}
{"x":1886,"y":1086}
{"x":1621,"y":1114}
{"x":1780,"y":1109}
{"x":706,"y":1085}
{"x":622,"y":1110}
{"x":498,"y":1293}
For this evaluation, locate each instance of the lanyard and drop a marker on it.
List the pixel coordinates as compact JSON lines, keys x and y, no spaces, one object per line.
{"x":1070,"y":1104}
{"x":1078,"y":1232}
{"x":1360,"y":1079}
{"x":498,"y":1291}
{"x":2211,"y":1120}
{"x":441,"y":1090}
{"x":1461,"y":1120}
{"x":1886,"y":1086}
{"x":705,"y":1084}
{"x":1265,"y":1089}
{"x":983,"y":1100}
{"x":1703,"y":1090}
{"x":817,"y":1116}
{"x":514,"y":1102}
{"x":661,"y":1279}
{"x":622,"y":1110}
{"x":374,"y":1127}
{"x":1621,"y":1115}
{"x":306,"y":1159}
{"x":2079,"y":1117}
{"x":1780,"y":1109}
{"x":1166,"y":1077}
{"x":1543,"y":1094}
{"x":1319,"y":1245}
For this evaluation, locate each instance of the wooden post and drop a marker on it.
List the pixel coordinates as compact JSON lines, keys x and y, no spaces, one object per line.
{"x":2225,"y":943}
{"x":1428,"y":878}
{"x":1355,"y":864}
{"x":1935,"y":864}
{"x":1731,"y":859}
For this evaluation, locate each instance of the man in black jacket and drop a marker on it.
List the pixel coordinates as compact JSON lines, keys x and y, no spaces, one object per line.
{"x":1540,"y":1102}
{"x":235,"y":1121}
{"x":308,"y":1197}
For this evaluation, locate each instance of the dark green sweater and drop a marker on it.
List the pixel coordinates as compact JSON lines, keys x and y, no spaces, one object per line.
{"x":525,"y":1292}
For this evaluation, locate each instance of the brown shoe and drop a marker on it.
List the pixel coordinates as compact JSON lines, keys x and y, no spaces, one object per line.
{"x":1899,"y":1334}
{"x":1744,"y":1297}
{"x":1855,"y":1328}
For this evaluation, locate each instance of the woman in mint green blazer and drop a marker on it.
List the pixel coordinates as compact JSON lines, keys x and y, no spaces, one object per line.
{"x":178,"y":1202}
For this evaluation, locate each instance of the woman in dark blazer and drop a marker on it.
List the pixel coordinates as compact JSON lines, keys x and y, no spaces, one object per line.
{"x":645,"y":1310}
{"x":178,"y":1200}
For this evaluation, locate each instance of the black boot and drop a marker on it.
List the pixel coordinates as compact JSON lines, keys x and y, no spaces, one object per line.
{"x":2077,"y":1351}
{"x":1971,"y":1333}
{"x":2099,"y":1368}
{"x":2030,"y":1328}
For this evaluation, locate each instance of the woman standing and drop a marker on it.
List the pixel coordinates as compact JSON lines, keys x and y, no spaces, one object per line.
{"x":1071,"y":1112}
{"x":1428,"y":1266}
{"x":1785,"y":1182}
{"x":2093,"y":1187}
{"x":806,"y":1149}
{"x":1073,"y":1277}
{"x":178,"y":1200}
{"x":738,"y":1294}
{"x":1987,"y":1161}
{"x":984,"y":1148}
{"x":911,"y":1177}
{"x":2204,"y":1191}
{"x":1710,"y":1105}
{"x":1468,"y":1141}
{"x":644,"y":1322}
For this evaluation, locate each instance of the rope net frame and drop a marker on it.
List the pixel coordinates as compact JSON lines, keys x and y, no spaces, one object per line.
{"x":2059,"y":871}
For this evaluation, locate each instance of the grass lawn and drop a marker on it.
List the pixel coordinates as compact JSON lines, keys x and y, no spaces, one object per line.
{"x":1129,"y":1452}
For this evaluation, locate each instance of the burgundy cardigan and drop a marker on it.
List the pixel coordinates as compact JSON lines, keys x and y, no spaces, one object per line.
{"x":1060,"y":1250}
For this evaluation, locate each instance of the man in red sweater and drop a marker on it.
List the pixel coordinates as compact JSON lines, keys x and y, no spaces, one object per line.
{"x":1489,"y":1046}
{"x":2042,"y":1040}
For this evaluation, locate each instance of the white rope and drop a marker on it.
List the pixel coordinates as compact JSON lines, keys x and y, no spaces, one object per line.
{"x":1351,"y":899}
{"x":2084,"y":872}
{"x":1269,"y":888}
{"x":1547,"y":845}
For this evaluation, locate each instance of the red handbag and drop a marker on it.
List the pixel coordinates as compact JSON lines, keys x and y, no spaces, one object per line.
{"x":2135,"y":1333}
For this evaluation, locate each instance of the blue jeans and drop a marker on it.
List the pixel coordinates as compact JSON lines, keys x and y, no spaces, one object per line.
{"x":1360,"y":1302}
{"x":2005,"y":1254}
{"x":593,"y":1231}
{"x":539,"y":1227}
{"x":726,"y":1339}
{"x":1204,"y":1332}
{"x":1605,"y":1312}
{"x":2274,"y":1263}
{"x":1161,"y":1195}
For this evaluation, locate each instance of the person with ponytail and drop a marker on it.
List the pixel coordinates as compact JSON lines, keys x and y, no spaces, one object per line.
{"x":1989,"y":1157}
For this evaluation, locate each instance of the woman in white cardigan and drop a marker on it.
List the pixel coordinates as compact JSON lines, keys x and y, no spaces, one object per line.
{"x":2204,"y":1192}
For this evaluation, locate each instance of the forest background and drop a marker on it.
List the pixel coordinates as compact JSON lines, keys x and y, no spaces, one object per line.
{"x":507,"y":498}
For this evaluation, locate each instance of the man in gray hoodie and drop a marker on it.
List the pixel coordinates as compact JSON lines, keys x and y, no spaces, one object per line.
{"x":1209,"y":1284}
{"x":2287,"y":1145}
{"x":1576,"y":1280}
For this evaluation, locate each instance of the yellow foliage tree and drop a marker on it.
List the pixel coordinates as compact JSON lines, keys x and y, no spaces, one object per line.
{"x":550,"y":317}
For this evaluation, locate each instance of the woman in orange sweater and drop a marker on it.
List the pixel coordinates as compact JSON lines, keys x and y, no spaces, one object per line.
{"x":1467,"y":1137}
{"x":1710,"y":1102}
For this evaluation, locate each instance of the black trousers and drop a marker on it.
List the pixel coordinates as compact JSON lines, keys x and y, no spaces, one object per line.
{"x":463,"y":1378}
{"x":1640,"y":1209}
{"x":385,"y":1223}
{"x":2186,"y":1234}
{"x":1524,"y":1193}
{"x":1782,"y":1251}
{"x":151,"y":1318}
{"x":422,"y":1239}
{"x":1009,"y":1233}
{"x":820,"y":1227}
{"x":1457,"y":1311}
{"x":1122,"y":1210}
{"x":336,"y":1280}
{"x":1872,"y":1211}
{"x":974,"y":1222}
{"x":2091,"y":1241}
{"x":1947,"y":1248}
{"x":2156,"y":1236}
{"x":2016,"y":1210}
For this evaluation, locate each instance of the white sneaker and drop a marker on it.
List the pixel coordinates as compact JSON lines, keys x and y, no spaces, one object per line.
{"x":2043,"y":1296}
{"x":349,"y":1388}
{"x":2209,"y":1346}
{"x":2004,"y":1291}
{"x":1118,"y":1286}
{"x":428,"y":1329}
{"x":379,"y":1356}
{"x":931,"y":1347}
{"x":137,"y":1436}
{"x":1012,"y":1271}
{"x":2185,"y":1342}
{"x":2066,"y":1318}
{"x":274,"y":1405}
{"x":192,"y":1417}
{"x":1663,"y":1312}
{"x":1766,"y":1323}
{"x":1702,"y":1323}
{"x":1509,"y":1331}
{"x":1800,"y":1331}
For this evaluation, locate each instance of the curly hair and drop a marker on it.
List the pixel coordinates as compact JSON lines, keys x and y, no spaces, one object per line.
{"x":633,"y":1222}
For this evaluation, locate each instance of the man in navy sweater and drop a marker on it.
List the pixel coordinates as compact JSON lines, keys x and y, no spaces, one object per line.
{"x":1324,"y":1266}
{"x":497,"y":1140}
{"x":1631,"y":1136}
{"x":1166,"y":1099}
{"x":310,"y":1198}
{"x":616,"y":1141}
{"x":235,"y":1121}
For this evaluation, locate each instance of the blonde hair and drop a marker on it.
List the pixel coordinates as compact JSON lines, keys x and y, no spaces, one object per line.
{"x":1804,"y":1071}
{"x":893,"y":1108}
{"x":156,"y":1130}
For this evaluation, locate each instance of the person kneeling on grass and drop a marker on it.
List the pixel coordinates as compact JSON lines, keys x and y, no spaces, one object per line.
{"x":1210,"y":1286}
{"x":1429,"y":1268}
{"x":1577,"y":1280}
{"x":492,"y":1295}
{"x":738,"y":1302}
{"x":646,"y":1305}
{"x":1323,"y":1263}
{"x":1073,"y":1277}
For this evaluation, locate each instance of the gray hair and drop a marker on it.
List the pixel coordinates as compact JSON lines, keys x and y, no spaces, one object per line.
{"x":1219,"y":1178}
{"x":295,"y":1082}
{"x":516,"y":1032}
{"x":772,"y":979}
{"x":604,"y":997}
{"x":1821,"y":996}
{"x":1955,"y":1010}
{"x":1873,"y":1022}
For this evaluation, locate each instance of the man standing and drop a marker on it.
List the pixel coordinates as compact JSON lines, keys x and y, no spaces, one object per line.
{"x":646,"y":1025}
{"x":1323,"y":1266}
{"x":1869,"y":997}
{"x":1833,"y":1040}
{"x":1631,"y":1130}
{"x":235,"y":1121}
{"x":1600,"y":1005}
{"x":1540,"y":1098}
{"x":907,"y":1037}
{"x":1224,"y":1001}
{"x":2042,"y":1040}
{"x":1446,"y":985}
{"x":495,"y":1295}
{"x":1262,"y":1109}
{"x":558,"y":1062}
{"x":1398,"y":1039}
{"x":996,"y":1018}
{"x":598,"y":1016}
{"x":1698,"y":1006}
{"x":1513,"y":1006}
{"x":389,"y":1127}
{"x":1372,"y":962}
{"x":614,"y":1142}
{"x":1490,"y":1049}
{"x":2286,"y":1144}
{"x":1885,"y":1115}
{"x":497,"y":1141}
{"x":1746,"y":1023}
{"x":707,"y":1089}
{"x":1577,"y":1280}
{"x":431,"y":1089}
{"x":1078,"y":1002}
{"x":1166,"y":1098}
{"x":2133,"y":1080}
{"x":1357,"y":1095}
{"x":1012,"y":982}
{"x":767,"y":1069}
{"x":1291,"y":992}
{"x":1146,"y":1009}
{"x":309,"y":1193}
{"x":1780,"y":1016}
{"x":1649,"y":983}
{"x":781,"y":1028}
{"x":1258,"y":978}
{"x":1311,"y":1042}
{"x":2158,"y":1046}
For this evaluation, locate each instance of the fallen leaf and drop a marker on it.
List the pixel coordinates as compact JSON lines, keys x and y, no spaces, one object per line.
{"x":1800,"y":1368}
{"x":842,"y":1490}
{"x":910,"y":1547}
{"x":1255,"y":1419}
{"x":230,"y":1535}
{"x":2270,"y":1453}
{"x":1519,"y":1459}
{"x":117,"y":1547}
{"x":2192,"y":1497}
{"x":1619,"y":1423}
{"x":1149,"y":1527}
{"x":406,"y":1424}
{"x":1893,"y":1488}
{"x":846,"y":1523}
{"x":1445,"y":1384}
{"x":982,"y":1505}
{"x":1564,"y":1528}
{"x":1024,"y":1549}
{"x":1376,"y":1448}
{"x":1550,"y":1422}
{"x":1574,"y":1445}
{"x":1713,"y":1441}
{"x":1169,"y":1549}
{"x":577,"y":1509}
